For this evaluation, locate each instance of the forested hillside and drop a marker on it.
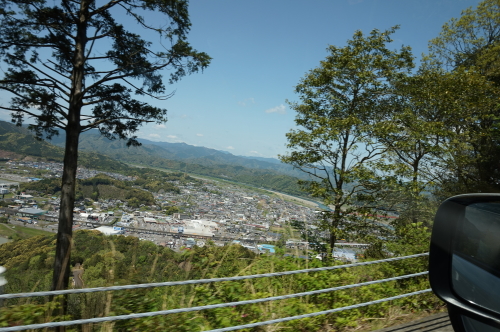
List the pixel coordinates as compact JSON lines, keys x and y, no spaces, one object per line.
{"x":98,"y":187}
{"x":93,"y":141}
{"x":22,"y":142}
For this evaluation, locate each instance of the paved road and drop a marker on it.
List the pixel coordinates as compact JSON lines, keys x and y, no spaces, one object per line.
{"x":77,"y":281}
{"x":434,"y":323}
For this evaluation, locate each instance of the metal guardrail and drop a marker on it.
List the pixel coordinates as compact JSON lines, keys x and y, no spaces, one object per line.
{"x":222,"y":305}
{"x":313,"y":314}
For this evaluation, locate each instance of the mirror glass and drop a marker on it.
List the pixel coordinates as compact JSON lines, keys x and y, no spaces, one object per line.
{"x":476,"y":256}
{"x":472,"y":325}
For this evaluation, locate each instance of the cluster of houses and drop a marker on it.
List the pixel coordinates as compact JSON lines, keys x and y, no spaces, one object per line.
{"x":232,"y":213}
{"x":236,"y":210}
{"x":206,"y":209}
{"x":25,"y":208}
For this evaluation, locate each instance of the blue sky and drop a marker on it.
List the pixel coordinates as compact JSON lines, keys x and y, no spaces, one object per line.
{"x":260,"y":50}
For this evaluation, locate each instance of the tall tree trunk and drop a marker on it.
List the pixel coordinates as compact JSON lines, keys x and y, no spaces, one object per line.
{"x":333,"y":240}
{"x":414,"y":193}
{"x":60,"y":277}
{"x":335,"y":222}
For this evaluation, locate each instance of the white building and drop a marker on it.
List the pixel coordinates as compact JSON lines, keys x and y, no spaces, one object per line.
{"x":106,"y":230}
{"x":200,"y":227}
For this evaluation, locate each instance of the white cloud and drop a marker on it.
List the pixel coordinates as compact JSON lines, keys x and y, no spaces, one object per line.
{"x":254,"y":152}
{"x":199,"y":135}
{"x":154,"y":135}
{"x":281,"y":109}
{"x":246,"y":102}
{"x":162,"y":126}
{"x":230,"y":148}
{"x":171,"y":136}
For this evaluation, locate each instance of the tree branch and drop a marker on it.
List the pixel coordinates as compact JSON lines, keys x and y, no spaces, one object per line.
{"x":34,"y":101}
{"x":47,"y":75}
{"x":149,"y":94}
{"x":54,"y":120}
{"x":98,"y":122}
{"x":105,"y":7}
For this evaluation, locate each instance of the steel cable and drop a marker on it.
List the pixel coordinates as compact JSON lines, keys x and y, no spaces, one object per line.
{"x":222,"y":305}
{"x":200,"y":281}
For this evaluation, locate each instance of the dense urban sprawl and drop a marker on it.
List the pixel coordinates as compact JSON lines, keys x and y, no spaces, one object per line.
{"x":206,"y":210}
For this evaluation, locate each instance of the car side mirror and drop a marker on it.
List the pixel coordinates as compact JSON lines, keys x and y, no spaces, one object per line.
{"x":464,"y":261}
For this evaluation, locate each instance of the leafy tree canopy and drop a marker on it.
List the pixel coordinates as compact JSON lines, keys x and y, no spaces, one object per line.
{"x":473,"y":40}
{"x":468,"y":48}
{"x":338,"y":116}
{"x":77,"y":53}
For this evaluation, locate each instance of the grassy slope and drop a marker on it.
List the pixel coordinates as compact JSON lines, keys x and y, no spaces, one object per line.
{"x":8,"y":230}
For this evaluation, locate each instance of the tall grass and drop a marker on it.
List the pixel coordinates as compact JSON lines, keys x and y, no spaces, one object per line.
{"x":115,"y":260}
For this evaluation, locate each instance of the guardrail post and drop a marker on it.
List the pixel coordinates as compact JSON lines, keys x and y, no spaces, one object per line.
{"x":3,"y":281}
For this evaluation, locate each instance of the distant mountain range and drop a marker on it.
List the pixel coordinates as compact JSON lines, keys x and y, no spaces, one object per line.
{"x":21,"y":142}
{"x":150,"y":150}
{"x":100,"y":153}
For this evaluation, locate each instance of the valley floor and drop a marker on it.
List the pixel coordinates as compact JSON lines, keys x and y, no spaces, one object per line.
{"x":293,"y":198}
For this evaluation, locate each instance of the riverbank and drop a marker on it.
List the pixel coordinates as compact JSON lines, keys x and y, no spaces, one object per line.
{"x":299,"y":200}
{"x":4,"y":240}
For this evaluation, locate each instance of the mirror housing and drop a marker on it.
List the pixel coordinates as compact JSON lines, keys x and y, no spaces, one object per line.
{"x":461,"y":277}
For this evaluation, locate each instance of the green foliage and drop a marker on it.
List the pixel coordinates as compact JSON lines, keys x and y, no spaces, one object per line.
{"x":105,"y":187}
{"x":372,"y":136}
{"x":44,"y":186}
{"x":411,"y":238}
{"x":15,"y":254}
{"x":32,"y":314}
{"x":26,"y":144}
{"x":114,"y":260}
{"x":172,"y":209}
{"x":473,"y":40}
{"x":468,"y":49}
{"x":156,"y":186}
{"x":160,"y":181}
{"x":341,"y":102}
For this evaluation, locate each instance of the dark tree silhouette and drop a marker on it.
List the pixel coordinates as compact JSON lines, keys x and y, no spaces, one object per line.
{"x":74,"y":65}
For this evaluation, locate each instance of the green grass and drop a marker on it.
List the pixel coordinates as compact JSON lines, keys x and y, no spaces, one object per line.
{"x":224,"y":181}
{"x":20,"y":232}
{"x":9,"y":195}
